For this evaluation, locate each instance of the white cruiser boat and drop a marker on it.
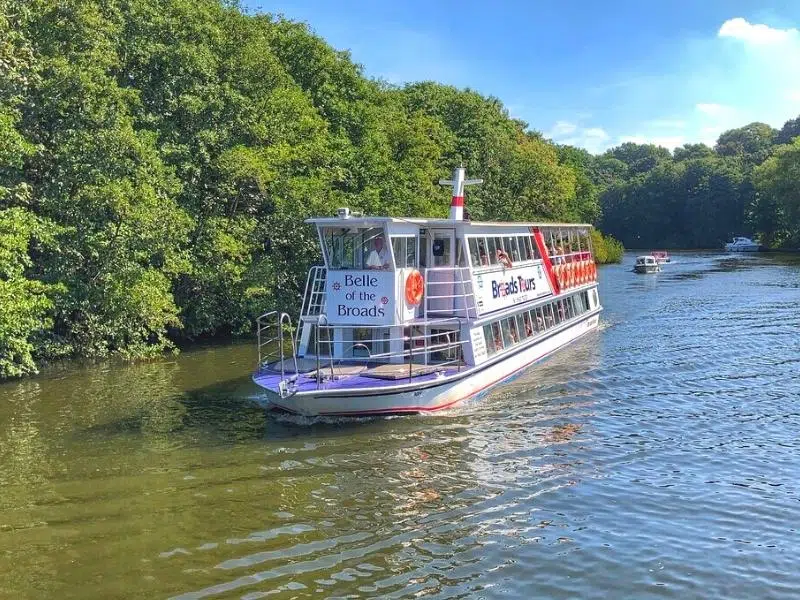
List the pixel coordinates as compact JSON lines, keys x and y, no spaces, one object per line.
{"x":416,"y":315}
{"x":646,"y":264}
{"x":742,"y":244}
{"x":661,"y":256}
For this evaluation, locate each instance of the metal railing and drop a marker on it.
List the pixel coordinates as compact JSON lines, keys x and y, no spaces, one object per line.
{"x":419,"y":348}
{"x":448,"y":291}
{"x":273,"y":328}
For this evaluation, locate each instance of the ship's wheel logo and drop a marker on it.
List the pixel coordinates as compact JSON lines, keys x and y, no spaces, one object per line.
{"x":337,"y":286}
{"x":384,"y":300}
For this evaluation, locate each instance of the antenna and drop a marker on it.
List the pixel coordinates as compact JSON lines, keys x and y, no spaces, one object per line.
{"x":458,"y":182}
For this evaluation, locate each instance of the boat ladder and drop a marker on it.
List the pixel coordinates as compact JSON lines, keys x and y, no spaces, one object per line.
{"x":314,"y":296}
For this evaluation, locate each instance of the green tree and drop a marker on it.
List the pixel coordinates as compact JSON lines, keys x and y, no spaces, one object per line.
{"x":777,"y":211}
{"x":692,"y":151}
{"x":789,"y":131}
{"x":752,"y":142}
{"x":640,"y":158}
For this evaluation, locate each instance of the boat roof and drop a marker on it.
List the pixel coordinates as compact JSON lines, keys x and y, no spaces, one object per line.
{"x":368,"y":221}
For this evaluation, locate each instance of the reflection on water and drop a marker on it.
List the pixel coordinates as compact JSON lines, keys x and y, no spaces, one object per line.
{"x":657,"y":457}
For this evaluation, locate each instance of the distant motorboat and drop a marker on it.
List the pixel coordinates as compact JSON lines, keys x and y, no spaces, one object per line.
{"x":646,"y":264}
{"x":742,"y":244}
{"x":661,"y":256}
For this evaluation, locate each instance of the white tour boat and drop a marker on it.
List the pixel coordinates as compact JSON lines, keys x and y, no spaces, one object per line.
{"x":415,"y":315}
{"x":742,"y":244}
{"x":646,"y":264}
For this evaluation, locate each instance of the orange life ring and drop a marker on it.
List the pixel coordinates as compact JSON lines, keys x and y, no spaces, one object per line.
{"x":415,"y":287}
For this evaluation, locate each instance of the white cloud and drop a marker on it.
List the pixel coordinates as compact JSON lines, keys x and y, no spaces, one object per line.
{"x":714,"y":110}
{"x":561,"y":128}
{"x":593,"y":139}
{"x":595,"y":133}
{"x":755,"y":33}
{"x":793,"y":96}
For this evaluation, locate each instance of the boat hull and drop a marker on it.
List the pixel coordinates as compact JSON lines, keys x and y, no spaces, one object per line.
{"x":742,"y":248}
{"x":468,"y":385}
{"x":646,"y":269}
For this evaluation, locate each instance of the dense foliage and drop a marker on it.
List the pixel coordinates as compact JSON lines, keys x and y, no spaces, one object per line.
{"x":157,"y":159}
{"x":699,"y":197}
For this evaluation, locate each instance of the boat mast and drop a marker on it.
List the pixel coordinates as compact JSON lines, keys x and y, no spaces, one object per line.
{"x":458,"y":182}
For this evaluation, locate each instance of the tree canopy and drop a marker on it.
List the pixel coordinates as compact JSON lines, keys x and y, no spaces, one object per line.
{"x":699,"y":197}
{"x":158,"y":158}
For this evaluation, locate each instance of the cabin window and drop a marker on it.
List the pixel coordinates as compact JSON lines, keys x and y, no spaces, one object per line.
{"x":405,"y":251}
{"x":539,"y":320}
{"x":361,"y":346}
{"x":521,"y":328}
{"x":441,"y":250}
{"x":354,"y":248}
{"x":489,"y":339}
{"x":525,"y":248}
{"x":534,"y":250}
{"x":492,"y":247}
{"x":512,"y":249}
{"x":549,"y":318}
{"x":474,"y":255}
{"x":461,"y":257}
{"x":509,"y":335}
{"x":497,"y":337}
{"x":324,"y":341}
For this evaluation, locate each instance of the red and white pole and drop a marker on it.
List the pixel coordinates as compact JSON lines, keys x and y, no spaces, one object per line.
{"x":457,"y":202}
{"x":458,"y":182}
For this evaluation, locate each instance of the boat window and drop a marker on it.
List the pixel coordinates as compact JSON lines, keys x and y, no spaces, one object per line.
{"x":538,"y":320}
{"x":492,"y":248}
{"x":521,"y":328}
{"x":512,"y":249}
{"x":534,"y":249}
{"x":497,"y":338}
{"x":361,"y":345}
{"x":549,"y":319}
{"x":525,"y":248}
{"x":353,"y":248}
{"x":461,"y":257}
{"x":441,"y":250}
{"x":474,"y":254}
{"x":423,"y":248}
{"x":489,"y":339}
{"x":411,"y":252}
{"x":509,"y":338}
{"x":399,"y":248}
{"x":405,"y":251}
{"x":324,"y":341}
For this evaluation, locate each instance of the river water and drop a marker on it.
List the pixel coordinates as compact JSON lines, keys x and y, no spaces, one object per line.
{"x":658,"y":457}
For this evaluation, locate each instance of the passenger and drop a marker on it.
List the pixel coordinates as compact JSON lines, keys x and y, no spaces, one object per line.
{"x":528,"y":326}
{"x":379,"y":257}
{"x":483,"y":255}
{"x":498,"y":342}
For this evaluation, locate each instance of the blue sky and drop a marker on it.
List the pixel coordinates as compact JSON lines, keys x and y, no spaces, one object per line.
{"x":589,"y":73}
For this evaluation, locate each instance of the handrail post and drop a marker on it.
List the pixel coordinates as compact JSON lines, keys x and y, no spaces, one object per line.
{"x":319,"y":378}
{"x":410,"y":351}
